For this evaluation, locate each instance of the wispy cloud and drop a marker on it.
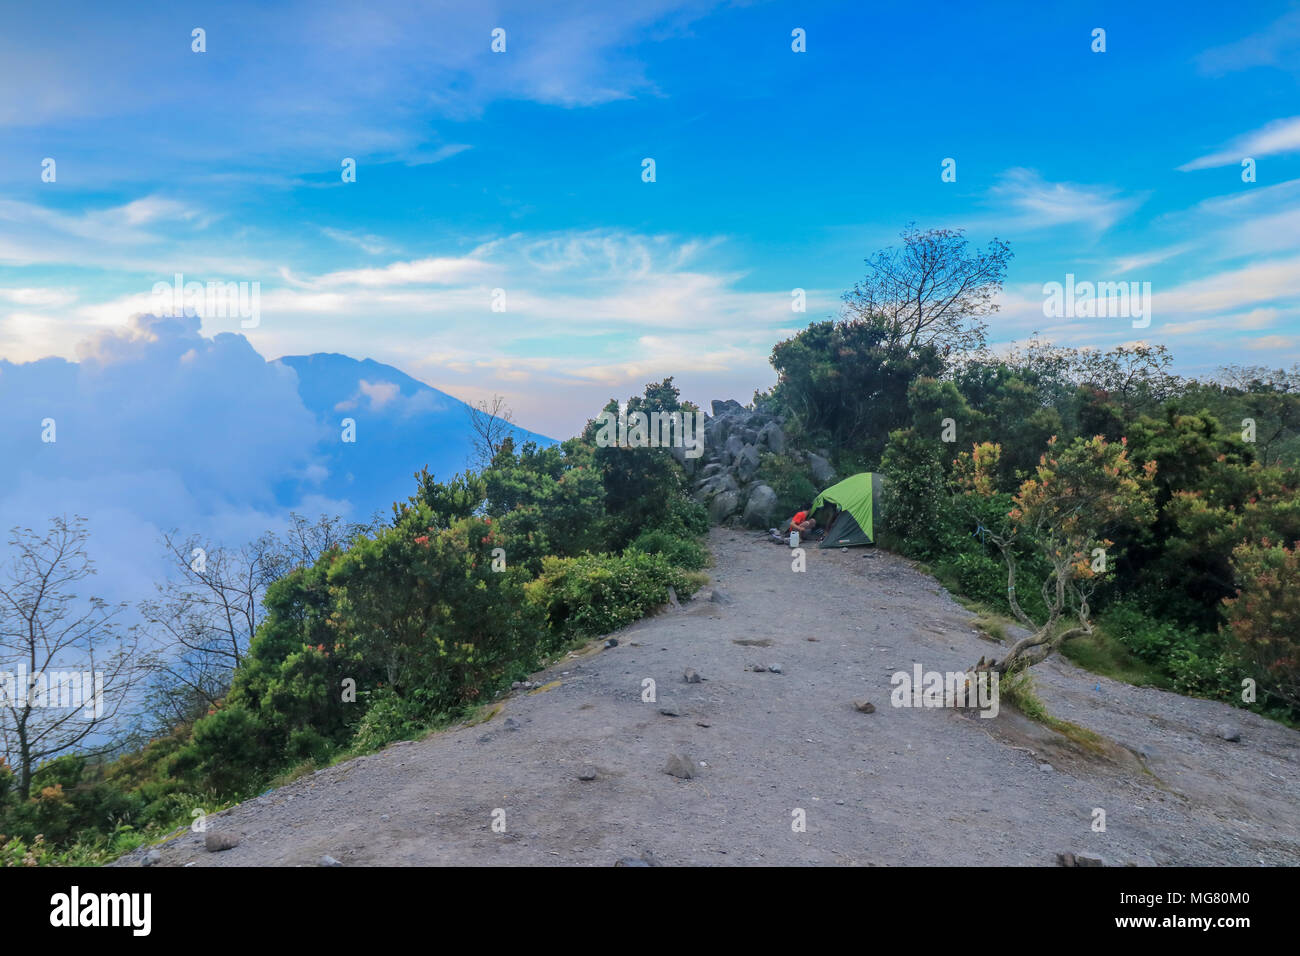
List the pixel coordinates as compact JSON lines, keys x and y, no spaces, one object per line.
{"x":369,"y":243}
{"x":1280,"y":136}
{"x":1036,"y":203}
{"x":1278,"y":44}
{"x":436,"y":270}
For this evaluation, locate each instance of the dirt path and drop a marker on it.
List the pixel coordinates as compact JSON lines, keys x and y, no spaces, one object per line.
{"x":900,"y":786}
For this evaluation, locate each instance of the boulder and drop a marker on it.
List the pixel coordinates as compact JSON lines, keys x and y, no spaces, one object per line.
{"x":732,"y":449}
{"x":679,"y":455}
{"x":747,"y":463}
{"x":723,"y":481}
{"x":773,"y":437}
{"x":721,"y":407}
{"x":723,"y":506}
{"x":716,"y":432}
{"x":822,"y":471}
{"x":760,"y":510}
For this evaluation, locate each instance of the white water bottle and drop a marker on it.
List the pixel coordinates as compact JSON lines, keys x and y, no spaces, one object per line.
{"x":794,"y":538}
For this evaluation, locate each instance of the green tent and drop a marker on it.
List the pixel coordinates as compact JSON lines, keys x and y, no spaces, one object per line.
{"x":857,"y":498}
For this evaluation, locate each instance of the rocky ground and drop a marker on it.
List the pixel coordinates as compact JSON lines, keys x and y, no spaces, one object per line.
{"x":765,"y":749}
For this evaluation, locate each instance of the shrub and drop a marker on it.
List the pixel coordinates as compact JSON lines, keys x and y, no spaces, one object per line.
{"x":914,"y":494}
{"x":596,"y":594}
{"x":1196,"y":662}
{"x":681,"y":552}
{"x":684,"y":516}
{"x":980,"y":576}
{"x":1264,"y":616}
{"x":791,"y":481}
{"x":390,"y":718}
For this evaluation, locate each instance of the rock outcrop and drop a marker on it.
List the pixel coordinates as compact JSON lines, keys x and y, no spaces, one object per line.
{"x":726,"y":477}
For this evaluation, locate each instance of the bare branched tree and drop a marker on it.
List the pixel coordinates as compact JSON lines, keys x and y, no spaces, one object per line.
{"x":931,"y":290}
{"x":204,"y":618}
{"x":492,"y":421}
{"x":50,"y":639}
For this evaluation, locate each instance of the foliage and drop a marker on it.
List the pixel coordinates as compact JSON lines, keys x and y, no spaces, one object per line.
{"x":1064,"y":513}
{"x":640,"y":484}
{"x":790,"y":479}
{"x":596,"y":594}
{"x":913,"y":494}
{"x":1263,"y":617}
{"x":846,"y":382}
{"x":680,"y":551}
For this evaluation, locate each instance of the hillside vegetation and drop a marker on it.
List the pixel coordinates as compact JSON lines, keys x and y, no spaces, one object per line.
{"x":1143,"y":522}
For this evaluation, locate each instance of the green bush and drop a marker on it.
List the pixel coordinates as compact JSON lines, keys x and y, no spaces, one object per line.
{"x":389,"y":718}
{"x":914,"y":494}
{"x":596,"y":594}
{"x":680,"y":551}
{"x":791,"y":481}
{"x":978,"y":575}
{"x":1197,"y":662}
{"x":683,"y":516}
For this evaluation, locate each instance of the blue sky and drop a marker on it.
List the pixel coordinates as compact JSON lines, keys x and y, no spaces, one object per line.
{"x":522,"y":171}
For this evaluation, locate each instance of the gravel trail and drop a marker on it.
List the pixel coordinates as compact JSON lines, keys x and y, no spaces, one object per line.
{"x":897,"y":787}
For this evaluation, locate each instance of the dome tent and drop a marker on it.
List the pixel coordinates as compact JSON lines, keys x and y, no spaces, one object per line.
{"x":858,"y":498}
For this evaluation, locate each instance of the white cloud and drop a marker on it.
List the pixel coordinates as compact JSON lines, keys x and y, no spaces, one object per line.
{"x":443,"y":271}
{"x":1278,"y":44}
{"x":374,"y":245}
{"x":379,"y":394}
{"x":1280,"y":136}
{"x":156,"y":427}
{"x":41,"y":298}
{"x":1038,"y":204}
{"x":1143,"y":260}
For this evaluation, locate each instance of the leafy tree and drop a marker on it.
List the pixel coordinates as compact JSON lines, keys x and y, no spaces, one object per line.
{"x":847,"y":382}
{"x":1270,"y":398}
{"x":913,"y":492}
{"x":205,"y":616}
{"x":1077,"y":496}
{"x":1264,"y":615}
{"x":641,"y":484}
{"x":448,"y":501}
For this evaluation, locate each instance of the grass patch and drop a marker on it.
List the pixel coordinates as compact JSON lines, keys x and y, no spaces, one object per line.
{"x":1017,"y":689}
{"x":1102,"y":654}
{"x":484,"y":713}
{"x":993,"y":624}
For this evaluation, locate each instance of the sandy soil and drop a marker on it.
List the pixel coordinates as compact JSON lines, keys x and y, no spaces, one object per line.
{"x":897,"y":787}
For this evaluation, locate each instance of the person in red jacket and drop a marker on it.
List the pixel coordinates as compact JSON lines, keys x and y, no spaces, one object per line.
{"x":802,"y":523}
